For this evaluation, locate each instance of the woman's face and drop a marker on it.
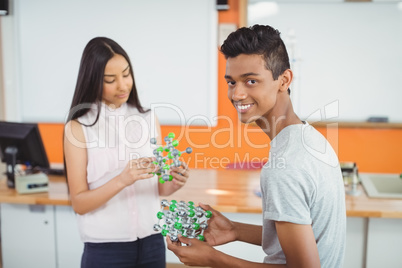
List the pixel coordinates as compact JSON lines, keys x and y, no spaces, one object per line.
{"x":117,"y":81}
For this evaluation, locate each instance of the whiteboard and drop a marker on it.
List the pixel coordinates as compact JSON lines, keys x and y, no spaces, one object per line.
{"x":346,"y":57}
{"x":172,"y":46}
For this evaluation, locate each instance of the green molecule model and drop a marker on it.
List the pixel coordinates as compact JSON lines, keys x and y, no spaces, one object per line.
{"x":170,"y":160}
{"x":182,"y":218}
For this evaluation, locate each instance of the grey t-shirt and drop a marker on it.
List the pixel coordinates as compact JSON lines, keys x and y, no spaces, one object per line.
{"x":302,"y":184}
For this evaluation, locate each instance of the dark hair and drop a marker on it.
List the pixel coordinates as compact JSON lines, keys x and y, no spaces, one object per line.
{"x":261,"y":40}
{"x":89,"y":87}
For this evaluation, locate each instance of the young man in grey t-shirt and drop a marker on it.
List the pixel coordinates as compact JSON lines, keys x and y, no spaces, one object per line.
{"x":304,"y":218}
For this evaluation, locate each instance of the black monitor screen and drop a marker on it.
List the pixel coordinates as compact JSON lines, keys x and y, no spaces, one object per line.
{"x":26,"y":139}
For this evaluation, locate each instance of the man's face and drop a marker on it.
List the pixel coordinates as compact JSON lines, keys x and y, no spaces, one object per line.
{"x":251,"y":87}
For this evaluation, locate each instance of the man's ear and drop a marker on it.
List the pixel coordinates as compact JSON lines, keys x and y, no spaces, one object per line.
{"x":285,"y":80}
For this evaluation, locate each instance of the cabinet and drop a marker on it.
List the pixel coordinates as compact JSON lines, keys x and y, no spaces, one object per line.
{"x":27,"y":236}
{"x":39,"y":236}
{"x":355,"y":251}
{"x":384,"y":243}
{"x":69,"y":246}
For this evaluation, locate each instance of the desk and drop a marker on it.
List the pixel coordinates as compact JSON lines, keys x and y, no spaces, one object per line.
{"x":57,"y":195}
{"x":374,"y":225}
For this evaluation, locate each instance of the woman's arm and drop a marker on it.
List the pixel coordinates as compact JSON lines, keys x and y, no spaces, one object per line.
{"x":84,"y":200}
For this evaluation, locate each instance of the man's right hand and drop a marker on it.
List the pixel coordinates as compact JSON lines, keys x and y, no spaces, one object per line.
{"x":220,"y":229}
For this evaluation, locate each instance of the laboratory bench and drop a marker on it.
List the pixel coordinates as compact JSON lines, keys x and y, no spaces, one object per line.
{"x":374,"y":226}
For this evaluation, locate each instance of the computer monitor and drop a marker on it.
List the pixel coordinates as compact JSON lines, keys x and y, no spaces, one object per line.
{"x":21,"y":143}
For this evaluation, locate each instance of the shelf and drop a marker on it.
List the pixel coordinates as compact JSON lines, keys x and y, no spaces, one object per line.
{"x":347,"y":124}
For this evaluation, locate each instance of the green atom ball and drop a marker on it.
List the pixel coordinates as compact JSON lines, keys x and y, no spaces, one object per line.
{"x":164,"y":232}
{"x":191,"y":213}
{"x":208,"y":214}
{"x":171,"y":135}
{"x":175,"y":143}
{"x":178,"y":225}
{"x":201,"y":238}
{"x":196,"y":226}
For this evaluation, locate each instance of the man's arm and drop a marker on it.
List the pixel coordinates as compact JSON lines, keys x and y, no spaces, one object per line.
{"x":198,"y":253}
{"x":221,"y":230}
{"x":248,"y":233}
{"x":298,"y":244}
{"x":297,"y":241}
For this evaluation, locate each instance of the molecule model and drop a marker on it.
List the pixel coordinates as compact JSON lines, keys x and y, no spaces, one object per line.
{"x":182,"y":218}
{"x":170,"y":160}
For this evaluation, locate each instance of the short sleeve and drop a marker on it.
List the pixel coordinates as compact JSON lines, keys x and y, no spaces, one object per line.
{"x":288,"y":196}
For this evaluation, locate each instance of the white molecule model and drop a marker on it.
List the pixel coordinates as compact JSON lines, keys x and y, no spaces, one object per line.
{"x":182,"y":218}
{"x":173,"y":155}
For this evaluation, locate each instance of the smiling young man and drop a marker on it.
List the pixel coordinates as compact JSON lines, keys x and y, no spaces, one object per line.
{"x":304,"y":218}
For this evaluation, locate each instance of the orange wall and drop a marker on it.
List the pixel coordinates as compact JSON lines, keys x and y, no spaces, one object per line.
{"x":374,"y":150}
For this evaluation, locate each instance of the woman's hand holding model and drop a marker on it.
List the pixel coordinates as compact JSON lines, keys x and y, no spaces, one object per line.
{"x":137,"y":169}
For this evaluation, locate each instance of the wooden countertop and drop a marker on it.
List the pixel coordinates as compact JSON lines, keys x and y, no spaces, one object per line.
{"x":57,"y":195}
{"x":225,"y":190}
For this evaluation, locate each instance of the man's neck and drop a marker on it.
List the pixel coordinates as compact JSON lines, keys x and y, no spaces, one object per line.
{"x":281,"y":117}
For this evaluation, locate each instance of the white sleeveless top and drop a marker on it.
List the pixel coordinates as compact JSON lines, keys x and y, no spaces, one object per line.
{"x":119,"y":136}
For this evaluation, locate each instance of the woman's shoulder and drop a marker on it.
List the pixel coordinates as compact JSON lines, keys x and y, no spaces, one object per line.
{"x":72,"y":125}
{"x":73,"y":131}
